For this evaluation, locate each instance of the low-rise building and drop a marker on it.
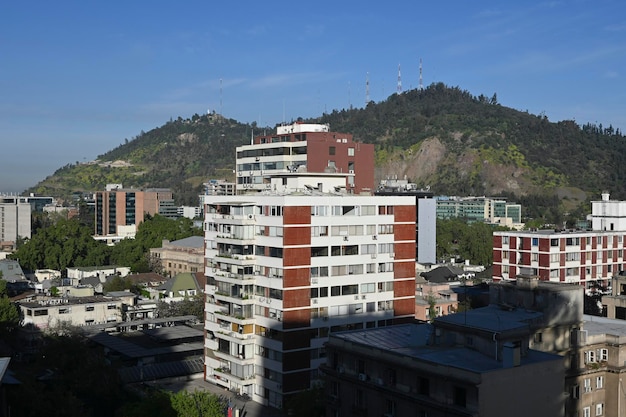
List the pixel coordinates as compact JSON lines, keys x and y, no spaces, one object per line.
{"x":179,"y":256}
{"x":51,"y":312}
{"x":180,"y":287}
{"x":76,"y":274}
{"x":433,"y":299}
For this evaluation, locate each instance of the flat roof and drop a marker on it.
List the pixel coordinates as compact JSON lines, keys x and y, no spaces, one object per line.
{"x":492,"y":318}
{"x":595,"y":325}
{"x":410,"y":340}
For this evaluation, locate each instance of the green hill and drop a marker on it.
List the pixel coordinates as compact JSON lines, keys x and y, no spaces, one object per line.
{"x":441,"y":137}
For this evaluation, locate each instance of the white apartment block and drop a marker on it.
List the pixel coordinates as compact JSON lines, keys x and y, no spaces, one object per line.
{"x":51,"y":312}
{"x":585,"y":257}
{"x":283,"y":271}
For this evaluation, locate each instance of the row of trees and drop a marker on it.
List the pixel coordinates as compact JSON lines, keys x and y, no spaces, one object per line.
{"x":69,"y":243}
{"x":458,"y":239}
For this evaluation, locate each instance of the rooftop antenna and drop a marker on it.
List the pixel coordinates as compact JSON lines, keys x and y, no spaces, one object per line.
{"x":284,"y":122}
{"x":421,"y":84}
{"x":349,"y":97}
{"x":367,"y":88}
{"x":399,"y":81}
{"x":221,"y":97}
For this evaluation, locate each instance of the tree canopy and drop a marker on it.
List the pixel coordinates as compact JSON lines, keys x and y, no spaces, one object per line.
{"x":69,"y":243}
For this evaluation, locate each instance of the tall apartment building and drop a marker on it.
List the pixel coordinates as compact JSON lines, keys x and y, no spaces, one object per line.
{"x":426,"y":221}
{"x":284,"y":270}
{"x":120,"y":210}
{"x":309,"y":148}
{"x":15,"y":220}
{"x":480,"y":209}
{"x":586,"y":257}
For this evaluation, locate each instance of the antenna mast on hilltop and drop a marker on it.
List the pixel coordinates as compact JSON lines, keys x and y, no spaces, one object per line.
{"x":221,"y":97}
{"x":421,"y":85}
{"x":367,"y":89}
{"x":399,"y":81}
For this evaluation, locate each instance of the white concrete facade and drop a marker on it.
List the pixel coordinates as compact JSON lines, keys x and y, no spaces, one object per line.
{"x":283,"y":270}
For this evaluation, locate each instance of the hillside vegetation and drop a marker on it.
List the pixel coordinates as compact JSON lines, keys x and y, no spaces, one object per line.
{"x":442,"y":137}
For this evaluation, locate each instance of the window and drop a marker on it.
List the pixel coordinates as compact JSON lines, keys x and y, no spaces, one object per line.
{"x":505,"y":240}
{"x":534,"y":257}
{"x":331,"y":150}
{"x":590,"y":356}
{"x":599,"y":382}
{"x":89,"y":308}
{"x":535,"y":241}
{"x":603,"y":355}
{"x":587,"y":412}
{"x":600,"y":409}
{"x":460,"y":396}
{"x":587,"y":384}
{"x":576,"y":391}
{"x":350,"y":151}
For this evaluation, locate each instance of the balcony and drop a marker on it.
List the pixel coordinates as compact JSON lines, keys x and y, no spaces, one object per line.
{"x":239,"y":360}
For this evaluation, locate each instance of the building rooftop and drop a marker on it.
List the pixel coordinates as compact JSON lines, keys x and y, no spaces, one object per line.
{"x":189,"y":242}
{"x":410,"y":340}
{"x":493,"y":318}
{"x":595,"y":325}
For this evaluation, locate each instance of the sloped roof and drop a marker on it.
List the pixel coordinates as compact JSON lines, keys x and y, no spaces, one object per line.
{"x":181,"y":282}
{"x":189,"y":242}
{"x":443,"y":274}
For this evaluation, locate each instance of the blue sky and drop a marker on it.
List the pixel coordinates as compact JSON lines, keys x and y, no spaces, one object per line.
{"x":77,"y":78}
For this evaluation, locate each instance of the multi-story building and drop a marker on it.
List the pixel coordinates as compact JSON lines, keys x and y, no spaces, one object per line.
{"x":284,"y":270}
{"x":15,"y":220}
{"x":119,"y":211}
{"x":480,"y":209}
{"x":434,"y":299}
{"x":50,"y":312}
{"x":476,"y":363}
{"x":575,"y":256}
{"x":305,"y":148}
{"x":533,"y":333}
{"x":183,"y":255}
{"x":219,"y":187}
{"x":426,"y":221}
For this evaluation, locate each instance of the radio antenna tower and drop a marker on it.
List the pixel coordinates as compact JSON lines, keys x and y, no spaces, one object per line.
{"x":399,"y":81}
{"x":221,"y":97}
{"x":421,"y":85}
{"x":367,"y":89}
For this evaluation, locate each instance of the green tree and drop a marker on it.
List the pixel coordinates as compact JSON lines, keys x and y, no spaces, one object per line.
{"x":197,"y":403}
{"x":190,"y":306}
{"x":9,"y":315}
{"x":64,"y":244}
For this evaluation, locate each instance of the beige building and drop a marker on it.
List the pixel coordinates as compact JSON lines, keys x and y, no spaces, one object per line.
{"x":594,"y":383}
{"x":179,"y":256}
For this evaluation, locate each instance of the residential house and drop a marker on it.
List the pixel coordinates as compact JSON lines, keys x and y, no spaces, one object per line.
{"x":178,"y":288}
